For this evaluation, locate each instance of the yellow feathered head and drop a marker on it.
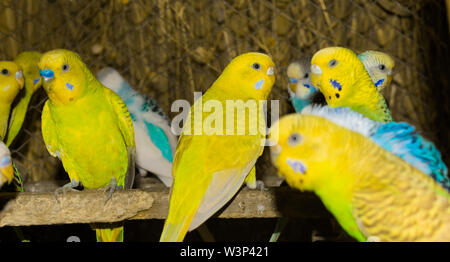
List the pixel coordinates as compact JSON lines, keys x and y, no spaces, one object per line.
{"x":298,"y":150}
{"x":65,"y":76}
{"x":380,"y":67}
{"x":29,"y":60}
{"x":250,"y":75}
{"x":336,"y":72}
{"x":11,"y":81}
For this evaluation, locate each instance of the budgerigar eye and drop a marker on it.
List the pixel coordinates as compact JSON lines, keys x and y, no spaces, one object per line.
{"x":332,"y":63}
{"x":382,"y":67}
{"x":65,"y":68}
{"x":5,"y":72}
{"x":306,"y":75}
{"x":256,"y":66}
{"x":294,"y":139}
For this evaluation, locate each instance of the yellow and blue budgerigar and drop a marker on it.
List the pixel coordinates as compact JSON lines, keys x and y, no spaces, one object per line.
{"x":28,"y":61}
{"x":344,"y":81}
{"x":155,"y":142}
{"x":380,"y":181}
{"x":300,"y":88}
{"x":380,"y":67}
{"x":210,"y":167}
{"x":6,"y":166}
{"x":302,"y":92}
{"x":11,"y":82}
{"x":88,"y":127}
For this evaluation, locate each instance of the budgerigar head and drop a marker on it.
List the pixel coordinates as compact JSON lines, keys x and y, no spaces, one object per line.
{"x":299,"y":149}
{"x":29,"y":60}
{"x":299,"y":78}
{"x":335,"y":71}
{"x":65,"y":76}
{"x":249,"y":75}
{"x":380,"y":67}
{"x":6,"y":168}
{"x":11,"y":81}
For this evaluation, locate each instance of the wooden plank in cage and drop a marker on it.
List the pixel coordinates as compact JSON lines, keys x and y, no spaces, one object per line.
{"x":88,"y":206}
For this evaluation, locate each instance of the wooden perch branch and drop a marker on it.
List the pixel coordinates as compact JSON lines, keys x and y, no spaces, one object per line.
{"x":150,"y":202}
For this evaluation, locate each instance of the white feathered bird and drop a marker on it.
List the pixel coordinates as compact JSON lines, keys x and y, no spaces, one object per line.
{"x":155,"y":142}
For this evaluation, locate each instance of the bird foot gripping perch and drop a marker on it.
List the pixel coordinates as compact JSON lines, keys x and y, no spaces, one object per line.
{"x":111,"y":188}
{"x":67,"y":187}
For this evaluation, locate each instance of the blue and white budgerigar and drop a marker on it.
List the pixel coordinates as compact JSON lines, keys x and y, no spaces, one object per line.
{"x":155,"y":142}
{"x":300,"y":87}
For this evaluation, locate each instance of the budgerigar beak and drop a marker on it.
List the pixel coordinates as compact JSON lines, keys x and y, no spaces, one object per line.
{"x":47,"y":74}
{"x":275,"y":151}
{"x":315,"y":69}
{"x":19,"y":78}
{"x":389,"y":79}
{"x":270,"y":71}
{"x":316,"y":73}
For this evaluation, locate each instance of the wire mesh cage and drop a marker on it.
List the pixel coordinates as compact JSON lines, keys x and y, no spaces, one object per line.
{"x":168,"y":49}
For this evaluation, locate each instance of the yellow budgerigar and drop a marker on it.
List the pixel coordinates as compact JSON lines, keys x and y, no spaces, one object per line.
{"x":344,"y":81}
{"x":11,"y":82}
{"x":28,"y":60}
{"x":380,"y":67}
{"x":377,"y":179}
{"x":88,"y":127}
{"x":210,"y":167}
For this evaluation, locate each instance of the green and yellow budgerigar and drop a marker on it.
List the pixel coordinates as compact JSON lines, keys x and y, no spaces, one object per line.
{"x":29,"y":62}
{"x":366,"y":173}
{"x":11,"y":82}
{"x":209,"y":168}
{"x":88,"y":127}
{"x":344,"y":81}
{"x":380,"y":67}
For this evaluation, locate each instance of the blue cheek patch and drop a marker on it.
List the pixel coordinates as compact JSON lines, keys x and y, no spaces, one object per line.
{"x":379,"y":82}
{"x":293,"y":80}
{"x":35,"y":81}
{"x":296,"y":165}
{"x":306,"y":85}
{"x":336,"y":84}
{"x":69,"y":86}
{"x":6,"y":161}
{"x":259,"y":84}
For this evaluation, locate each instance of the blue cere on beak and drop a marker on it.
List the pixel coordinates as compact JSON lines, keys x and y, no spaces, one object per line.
{"x":47,"y":73}
{"x":293,"y":80}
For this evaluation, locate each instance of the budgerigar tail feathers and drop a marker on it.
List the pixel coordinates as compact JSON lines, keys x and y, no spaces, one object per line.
{"x":112,"y":234}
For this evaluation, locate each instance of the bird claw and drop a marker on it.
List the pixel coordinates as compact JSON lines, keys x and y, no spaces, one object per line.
{"x":112,"y":187}
{"x":260,"y":185}
{"x":67,"y":187}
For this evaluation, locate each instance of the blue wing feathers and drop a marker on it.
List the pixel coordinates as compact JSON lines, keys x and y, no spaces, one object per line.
{"x":402,"y":140}
{"x":160,"y":140}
